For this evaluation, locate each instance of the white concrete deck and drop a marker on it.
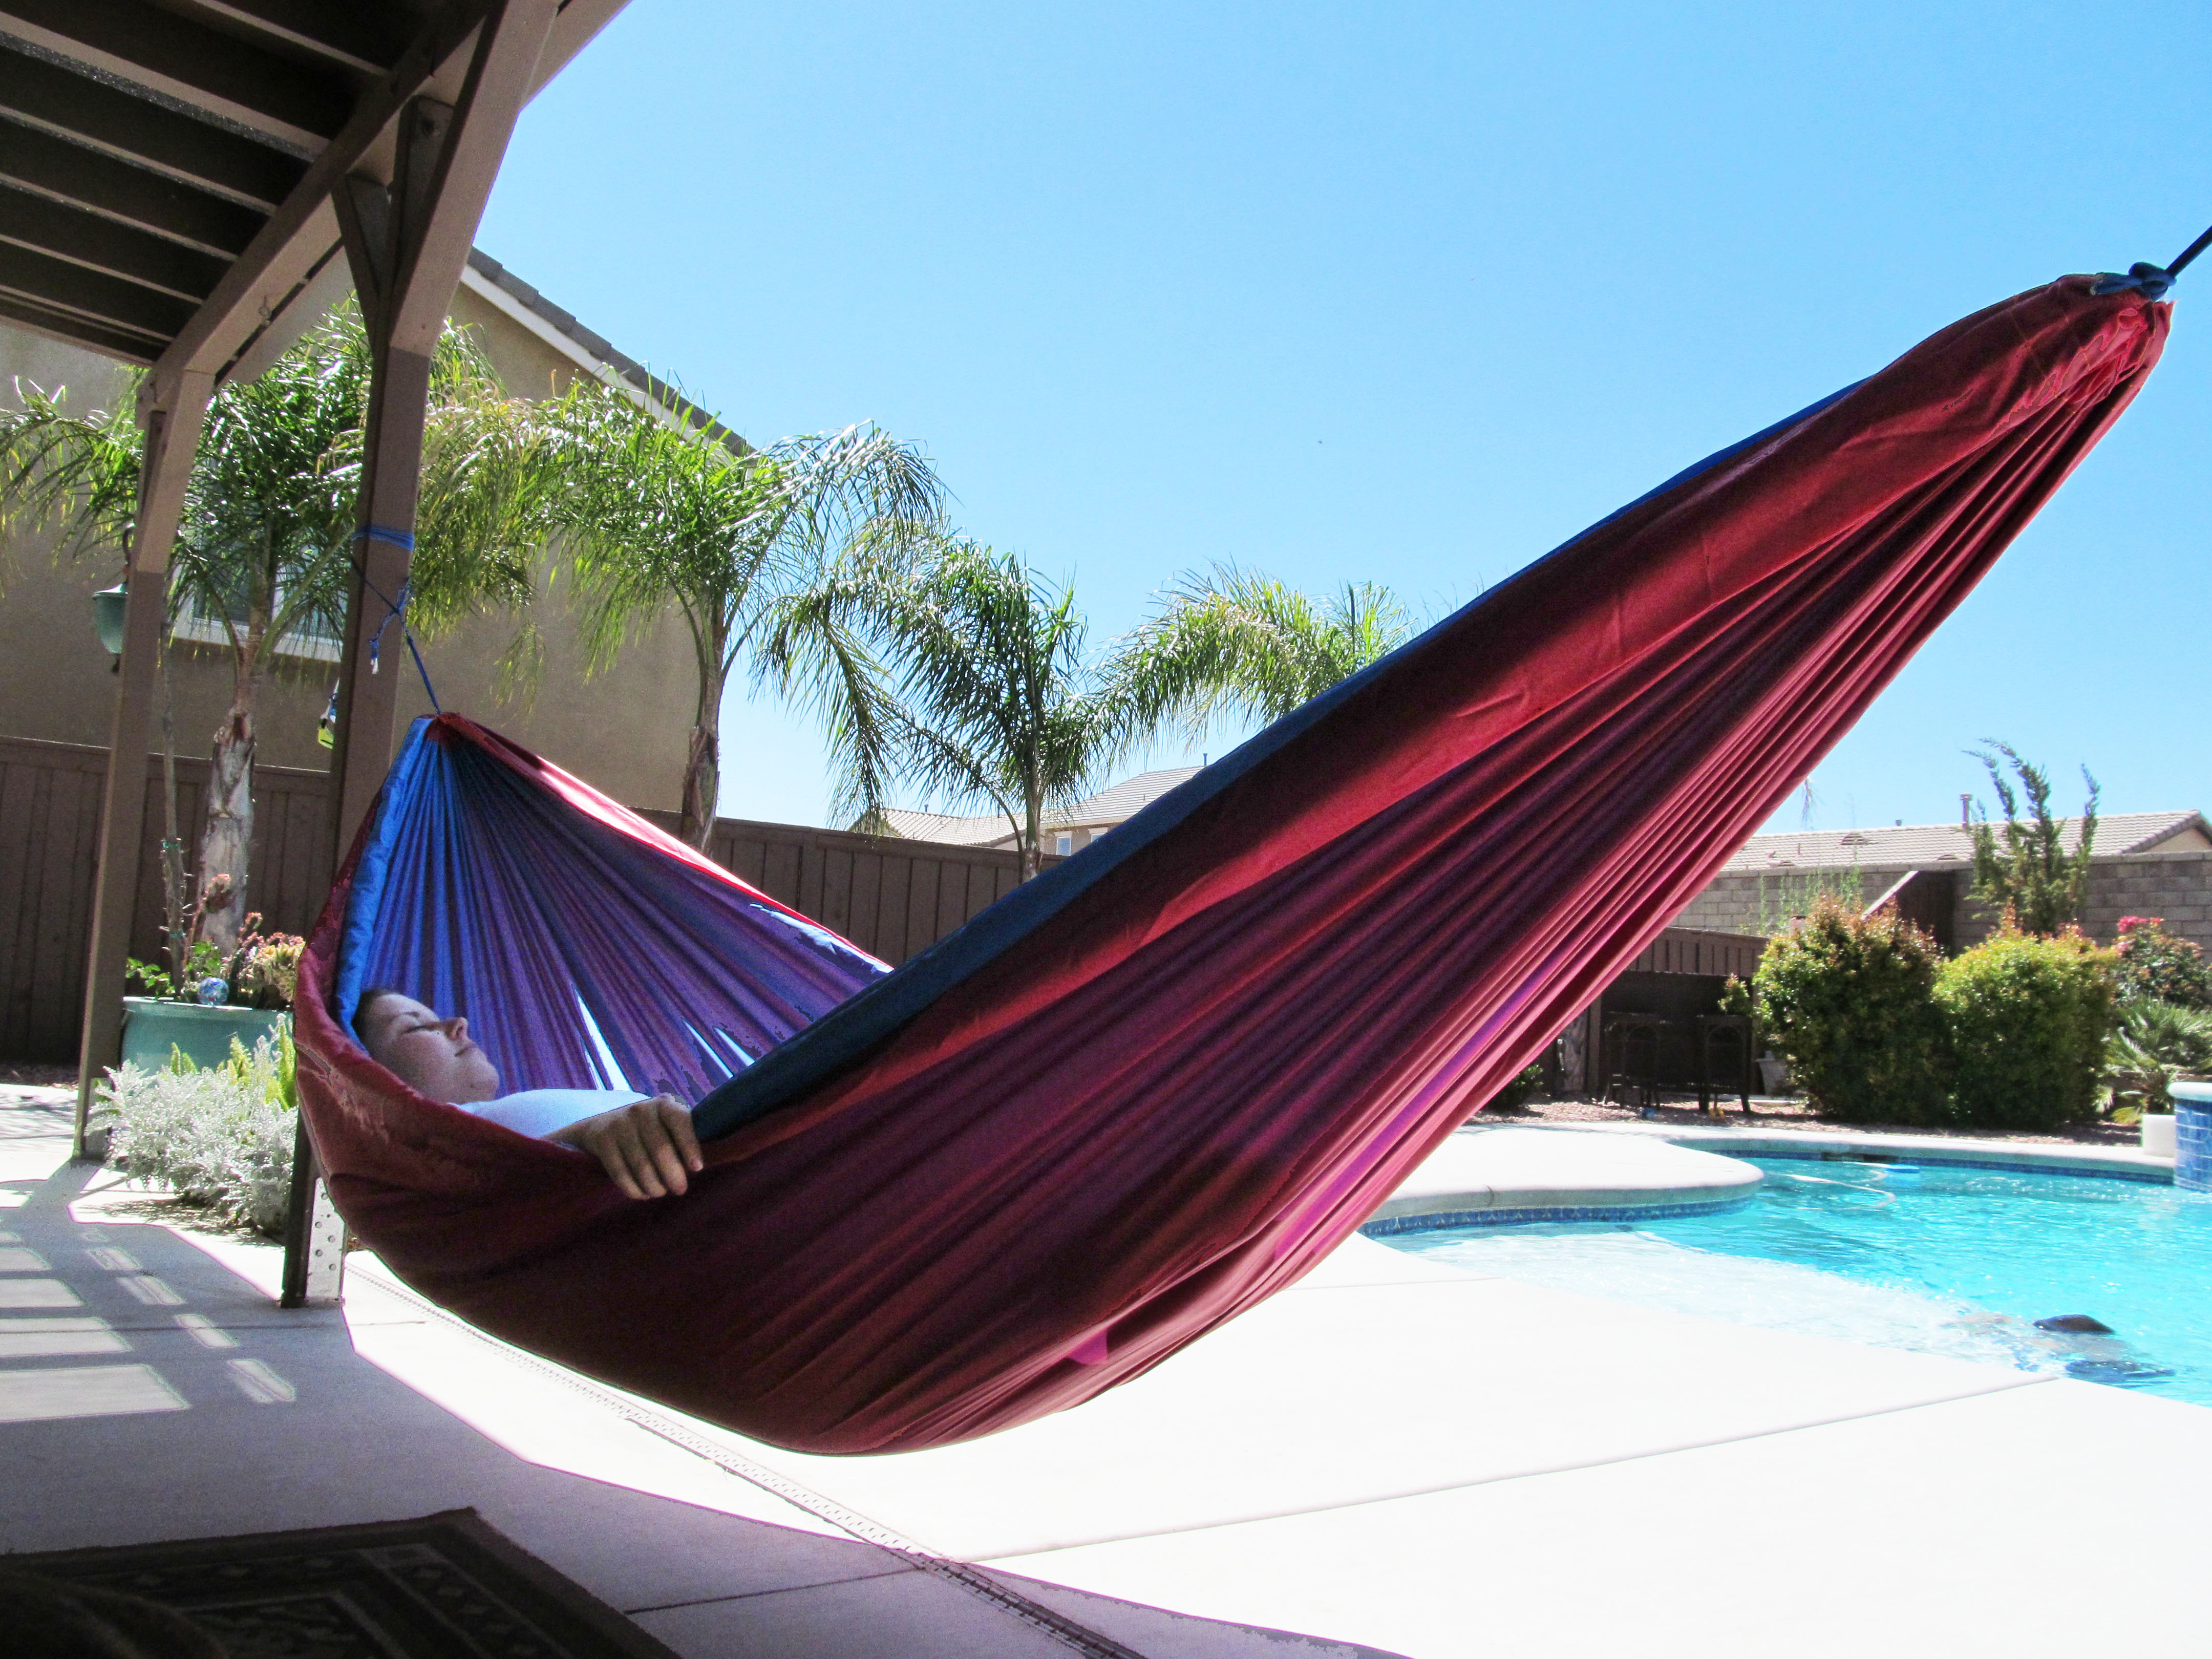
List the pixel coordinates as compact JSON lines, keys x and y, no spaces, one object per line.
{"x":1391,"y":1457}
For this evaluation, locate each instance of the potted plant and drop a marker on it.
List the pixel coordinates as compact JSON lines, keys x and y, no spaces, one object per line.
{"x":200,"y":1005}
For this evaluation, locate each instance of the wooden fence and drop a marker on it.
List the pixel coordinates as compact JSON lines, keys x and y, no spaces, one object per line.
{"x":891,"y":897}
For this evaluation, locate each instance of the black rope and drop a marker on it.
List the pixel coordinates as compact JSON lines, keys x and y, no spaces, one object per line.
{"x":2190,"y":252}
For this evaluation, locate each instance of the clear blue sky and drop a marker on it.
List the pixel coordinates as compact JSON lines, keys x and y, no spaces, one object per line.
{"x":1410,"y":293}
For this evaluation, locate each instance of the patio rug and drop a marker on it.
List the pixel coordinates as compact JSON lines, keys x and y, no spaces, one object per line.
{"x":446,"y":1586}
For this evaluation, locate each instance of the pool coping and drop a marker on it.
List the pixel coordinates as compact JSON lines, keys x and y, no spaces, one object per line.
{"x":2107,"y":1162}
{"x":1604,"y":1200}
{"x":1457,"y":1187}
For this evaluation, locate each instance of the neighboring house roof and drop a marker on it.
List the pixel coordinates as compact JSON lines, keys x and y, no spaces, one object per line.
{"x":1124,"y":799}
{"x":1109,"y":806}
{"x":939,"y":826}
{"x":1925,"y":845}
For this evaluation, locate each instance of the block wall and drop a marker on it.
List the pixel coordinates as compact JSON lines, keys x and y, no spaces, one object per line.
{"x":2177,"y":887}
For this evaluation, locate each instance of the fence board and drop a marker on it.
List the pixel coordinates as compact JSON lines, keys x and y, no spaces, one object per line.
{"x":891,"y":936}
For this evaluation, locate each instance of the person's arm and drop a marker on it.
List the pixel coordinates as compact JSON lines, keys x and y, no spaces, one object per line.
{"x":645,"y":1146}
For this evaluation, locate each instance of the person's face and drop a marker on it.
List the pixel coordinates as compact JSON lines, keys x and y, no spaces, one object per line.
{"x":431,"y":1054}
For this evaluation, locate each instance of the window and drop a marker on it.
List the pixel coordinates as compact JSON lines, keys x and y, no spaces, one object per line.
{"x":313,"y":639}
{"x":1063,"y":843}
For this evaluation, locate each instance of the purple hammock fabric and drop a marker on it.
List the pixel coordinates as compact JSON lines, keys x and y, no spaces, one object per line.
{"x":588,"y":951}
{"x":1160,"y":1083}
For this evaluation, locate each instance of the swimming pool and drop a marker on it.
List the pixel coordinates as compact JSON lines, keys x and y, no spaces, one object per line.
{"x":1949,"y":1260}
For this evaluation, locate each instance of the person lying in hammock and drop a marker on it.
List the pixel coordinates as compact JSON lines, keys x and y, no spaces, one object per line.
{"x":645,"y":1144}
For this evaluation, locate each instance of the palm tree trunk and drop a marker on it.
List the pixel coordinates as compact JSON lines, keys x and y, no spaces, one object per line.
{"x":703,"y":775}
{"x":172,"y":844}
{"x":226,"y":842}
{"x":1033,"y":835}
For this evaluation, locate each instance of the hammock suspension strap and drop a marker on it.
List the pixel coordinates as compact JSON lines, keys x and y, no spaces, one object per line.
{"x":395,"y":610}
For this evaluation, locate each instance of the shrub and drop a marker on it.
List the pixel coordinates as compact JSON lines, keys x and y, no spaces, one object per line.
{"x":2154,"y":966}
{"x":1847,"y":999}
{"x":2028,"y":1017}
{"x":2155,"y":1041}
{"x":1515,"y":1095}
{"x":222,"y":1137}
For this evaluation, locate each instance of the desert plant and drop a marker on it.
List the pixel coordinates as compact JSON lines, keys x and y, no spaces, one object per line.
{"x":181,"y":983}
{"x":2152,"y":1043}
{"x":2155,"y":966}
{"x":2027,"y":1017}
{"x":263,"y":972}
{"x":1849,"y":1001}
{"x":2031,"y":876}
{"x":222,"y":1137}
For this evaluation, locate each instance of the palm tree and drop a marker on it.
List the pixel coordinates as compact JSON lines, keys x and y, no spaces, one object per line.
{"x":1236,"y":643}
{"x":264,"y":545}
{"x":657,"y":511}
{"x":961,"y":672}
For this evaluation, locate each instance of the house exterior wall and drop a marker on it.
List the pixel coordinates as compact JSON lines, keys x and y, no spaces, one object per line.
{"x":626,"y":731}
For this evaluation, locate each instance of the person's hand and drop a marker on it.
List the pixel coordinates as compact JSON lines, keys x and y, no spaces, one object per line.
{"x":645,"y":1147}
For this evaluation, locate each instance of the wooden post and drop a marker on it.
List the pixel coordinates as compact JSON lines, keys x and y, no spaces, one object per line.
{"x":172,"y":435}
{"x":406,"y":242}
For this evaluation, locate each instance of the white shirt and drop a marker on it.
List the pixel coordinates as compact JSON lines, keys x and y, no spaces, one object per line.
{"x":539,"y":1112}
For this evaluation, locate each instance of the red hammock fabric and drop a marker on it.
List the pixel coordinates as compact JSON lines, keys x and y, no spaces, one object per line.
{"x":1195,"y":1073}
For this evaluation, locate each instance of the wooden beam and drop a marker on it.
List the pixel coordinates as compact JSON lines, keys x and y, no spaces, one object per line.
{"x":172,"y":438}
{"x":145,"y":133}
{"x":407,"y":246}
{"x":367,"y":39}
{"x":304,"y":229}
{"x":501,"y":76}
{"x":69,"y":289}
{"x":125,"y":193}
{"x":145,"y":45}
{"x":101,"y":245}
{"x":76,"y":330}
{"x":276,"y":310}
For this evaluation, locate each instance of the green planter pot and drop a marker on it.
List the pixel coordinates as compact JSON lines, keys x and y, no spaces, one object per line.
{"x":152,"y":1027}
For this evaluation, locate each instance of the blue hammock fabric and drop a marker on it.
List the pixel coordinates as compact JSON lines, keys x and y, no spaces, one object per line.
{"x":1159,"y":1084}
{"x":585,"y":956}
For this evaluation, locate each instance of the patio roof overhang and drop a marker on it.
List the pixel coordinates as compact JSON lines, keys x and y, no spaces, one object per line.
{"x":168,"y":172}
{"x":190,"y":185}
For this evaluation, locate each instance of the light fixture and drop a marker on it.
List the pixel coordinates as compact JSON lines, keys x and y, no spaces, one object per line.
{"x":108,"y":607}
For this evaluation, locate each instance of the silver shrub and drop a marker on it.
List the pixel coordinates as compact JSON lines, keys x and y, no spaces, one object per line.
{"x":222,"y":1138}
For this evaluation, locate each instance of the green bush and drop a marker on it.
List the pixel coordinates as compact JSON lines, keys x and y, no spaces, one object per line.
{"x":1849,"y":1001}
{"x":223,"y":1137}
{"x":2028,"y":1017}
{"x":2151,"y":965}
{"x":2155,"y":1041}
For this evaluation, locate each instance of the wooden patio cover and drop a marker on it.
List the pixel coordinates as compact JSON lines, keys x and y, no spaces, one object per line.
{"x":188,"y":185}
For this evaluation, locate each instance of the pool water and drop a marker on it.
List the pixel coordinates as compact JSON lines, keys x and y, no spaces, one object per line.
{"x":1956,"y":1262}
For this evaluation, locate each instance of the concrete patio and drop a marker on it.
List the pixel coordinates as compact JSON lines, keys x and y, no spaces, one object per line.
{"x":1392,"y":1457}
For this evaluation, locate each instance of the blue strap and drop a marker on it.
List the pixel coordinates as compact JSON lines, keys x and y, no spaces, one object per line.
{"x":2153,"y":279}
{"x":394,"y":609}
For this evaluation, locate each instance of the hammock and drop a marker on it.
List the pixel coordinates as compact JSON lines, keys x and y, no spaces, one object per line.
{"x":1160,"y":1082}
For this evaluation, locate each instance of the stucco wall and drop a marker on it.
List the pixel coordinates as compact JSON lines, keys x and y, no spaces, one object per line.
{"x":626,"y":731}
